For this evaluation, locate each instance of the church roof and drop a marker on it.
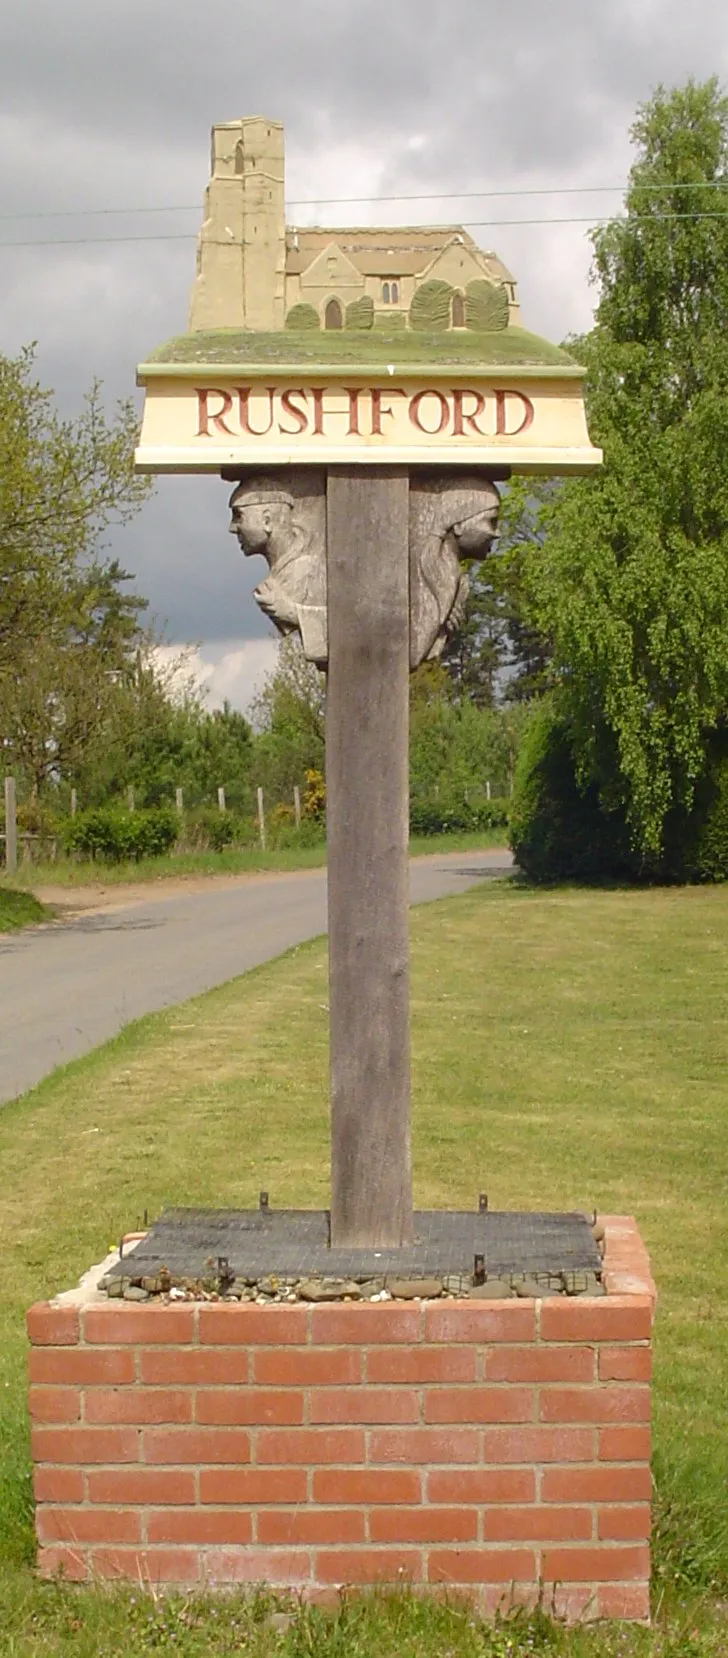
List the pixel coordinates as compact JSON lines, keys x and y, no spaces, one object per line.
{"x":384,"y":251}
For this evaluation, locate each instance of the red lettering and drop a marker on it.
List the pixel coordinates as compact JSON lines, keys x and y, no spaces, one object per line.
{"x":461,"y":419}
{"x":300,"y":415}
{"x":354,"y":393}
{"x":501,"y":428}
{"x":416,"y":406}
{"x":205,"y":414}
{"x":379,"y":409}
{"x":318,"y":411}
{"x":244,"y":395}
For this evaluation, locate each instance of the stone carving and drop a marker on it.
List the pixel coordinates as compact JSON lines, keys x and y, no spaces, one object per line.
{"x":450,"y":518}
{"x":286,"y":522}
{"x":284,"y":519}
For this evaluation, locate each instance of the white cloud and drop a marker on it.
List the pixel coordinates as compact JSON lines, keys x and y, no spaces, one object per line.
{"x":228,"y":671}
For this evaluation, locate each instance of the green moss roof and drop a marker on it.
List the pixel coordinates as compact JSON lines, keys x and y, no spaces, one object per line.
{"x":228,"y":347}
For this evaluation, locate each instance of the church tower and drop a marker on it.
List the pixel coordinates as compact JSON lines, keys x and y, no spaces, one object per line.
{"x":241,"y":249}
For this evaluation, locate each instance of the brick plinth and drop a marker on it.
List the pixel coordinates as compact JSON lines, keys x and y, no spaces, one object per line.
{"x":493,"y":1447}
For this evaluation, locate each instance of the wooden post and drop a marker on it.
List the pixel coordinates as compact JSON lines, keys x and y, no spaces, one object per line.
{"x":179,"y":800}
{"x":367,"y":721}
{"x":11,"y":827}
{"x":74,"y":802}
{"x":221,"y":799}
{"x":297,"y":804}
{"x":487,"y":788}
{"x":130,"y":797}
{"x":261,"y":819}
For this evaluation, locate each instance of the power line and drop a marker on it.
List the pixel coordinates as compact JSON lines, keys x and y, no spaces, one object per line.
{"x":346,"y":201}
{"x":475,"y":224}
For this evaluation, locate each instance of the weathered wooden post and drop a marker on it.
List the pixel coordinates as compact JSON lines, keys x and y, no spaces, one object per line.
{"x":367,"y":736}
{"x":365,"y":460}
{"x":130,"y":798}
{"x":221,"y":802}
{"x":179,"y":801}
{"x":297,"y":805}
{"x":261,"y":819}
{"x":11,"y":827}
{"x":74,"y":802}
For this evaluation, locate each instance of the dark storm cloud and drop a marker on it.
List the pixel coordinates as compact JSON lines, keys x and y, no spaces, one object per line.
{"x":108,"y":104}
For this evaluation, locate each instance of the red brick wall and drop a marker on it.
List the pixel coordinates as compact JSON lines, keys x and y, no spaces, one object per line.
{"x":492,"y":1445}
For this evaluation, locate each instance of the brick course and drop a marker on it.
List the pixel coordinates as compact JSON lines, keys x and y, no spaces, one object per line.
{"x":491,"y":1446}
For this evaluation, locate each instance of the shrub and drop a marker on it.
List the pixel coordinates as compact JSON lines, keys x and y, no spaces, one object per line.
{"x":453,"y":816}
{"x":558,"y":831}
{"x":707,"y":855}
{"x":113,"y":835}
{"x":303,"y":318}
{"x":486,"y":306}
{"x":314,"y":796}
{"x":430,"y":308}
{"x":360,"y":314}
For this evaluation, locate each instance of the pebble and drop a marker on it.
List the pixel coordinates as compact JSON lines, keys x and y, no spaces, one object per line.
{"x":114,"y":1288}
{"x":134,"y":1292}
{"x":531,"y":1289}
{"x":414,"y":1289}
{"x":494,"y":1289}
{"x":328,"y":1289}
{"x":598,"y":1232}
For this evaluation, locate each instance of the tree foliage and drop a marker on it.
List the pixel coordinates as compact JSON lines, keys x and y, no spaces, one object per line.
{"x":69,"y":629}
{"x":631,"y":579}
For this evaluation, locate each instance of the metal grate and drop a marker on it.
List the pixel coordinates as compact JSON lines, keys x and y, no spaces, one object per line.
{"x":294,"y":1243}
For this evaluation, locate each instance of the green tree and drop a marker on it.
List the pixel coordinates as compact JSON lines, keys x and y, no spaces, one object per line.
{"x":68,"y":626}
{"x":289,"y":717}
{"x":631,"y":582}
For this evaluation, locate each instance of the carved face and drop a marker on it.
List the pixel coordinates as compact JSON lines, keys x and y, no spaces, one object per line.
{"x":251,"y":523}
{"x":475,"y":536}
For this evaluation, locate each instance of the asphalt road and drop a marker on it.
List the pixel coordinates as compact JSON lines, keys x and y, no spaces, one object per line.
{"x":69,"y":985}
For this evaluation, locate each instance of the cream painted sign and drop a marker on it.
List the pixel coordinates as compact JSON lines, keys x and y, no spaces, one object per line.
{"x":530,"y":423}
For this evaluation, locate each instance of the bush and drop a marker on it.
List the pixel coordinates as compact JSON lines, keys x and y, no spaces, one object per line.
{"x":115,"y":836}
{"x":210,"y":830}
{"x":559,"y":832}
{"x":449,"y":817}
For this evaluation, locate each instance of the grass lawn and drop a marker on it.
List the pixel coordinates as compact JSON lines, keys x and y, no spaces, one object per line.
{"x":19,"y":909}
{"x":569,"y":1050}
{"x":232,"y":861}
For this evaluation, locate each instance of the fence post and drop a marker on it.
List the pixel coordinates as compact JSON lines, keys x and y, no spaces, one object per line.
{"x":130,"y":797}
{"x":74,"y":802}
{"x":261,"y":819}
{"x":487,"y":789}
{"x":221,"y":799}
{"x":11,"y":827}
{"x":179,"y":799}
{"x":297,"y":804}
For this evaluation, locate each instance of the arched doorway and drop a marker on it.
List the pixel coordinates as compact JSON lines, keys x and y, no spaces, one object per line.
{"x":333,"y":315}
{"x":458,"y":311}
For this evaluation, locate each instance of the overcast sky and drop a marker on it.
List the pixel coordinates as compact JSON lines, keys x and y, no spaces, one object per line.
{"x":106,"y":105}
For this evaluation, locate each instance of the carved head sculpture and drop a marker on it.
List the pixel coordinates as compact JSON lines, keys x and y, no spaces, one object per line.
{"x":450,"y":518}
{"x":267,"y":519}
{"x":261,"y":518}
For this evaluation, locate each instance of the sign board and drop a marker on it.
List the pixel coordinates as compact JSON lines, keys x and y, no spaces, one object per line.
{"x":197,"y":421}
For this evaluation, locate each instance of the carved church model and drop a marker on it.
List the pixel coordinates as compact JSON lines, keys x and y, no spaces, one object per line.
{"x":254,"y":272}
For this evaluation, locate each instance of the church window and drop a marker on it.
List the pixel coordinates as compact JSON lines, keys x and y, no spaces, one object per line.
{"x":390,"y":293}
{"x":333,"y":315}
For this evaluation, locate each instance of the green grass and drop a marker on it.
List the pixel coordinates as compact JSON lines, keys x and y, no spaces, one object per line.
{"x":232,"y":861}
{"x":569,"y":1049}
{"x":19,"y":909}
{"x":506,"y":348}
